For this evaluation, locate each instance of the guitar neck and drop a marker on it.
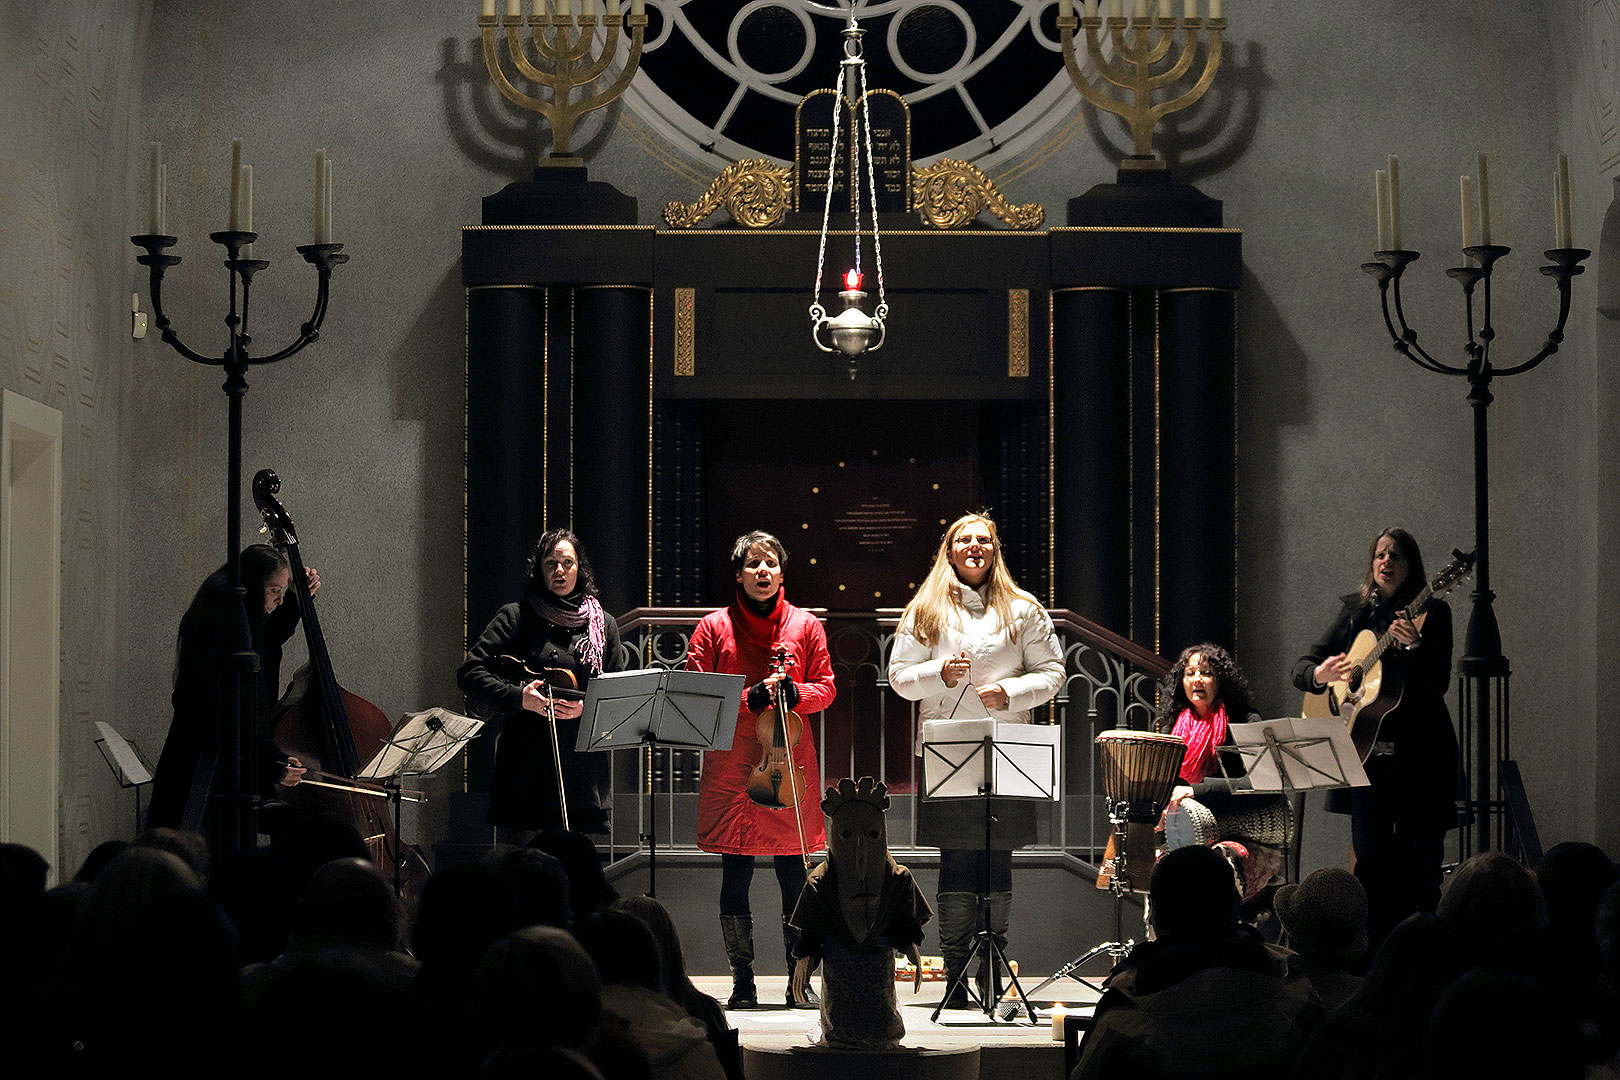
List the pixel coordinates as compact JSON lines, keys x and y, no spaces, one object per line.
{"x":1411,"y":611}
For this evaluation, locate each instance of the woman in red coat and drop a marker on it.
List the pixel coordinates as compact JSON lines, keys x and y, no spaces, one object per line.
{"x":738,"y":640}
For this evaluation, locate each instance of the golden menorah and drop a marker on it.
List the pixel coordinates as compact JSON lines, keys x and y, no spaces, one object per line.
{"x":562,"y":60}
{"x":1141,"y":44}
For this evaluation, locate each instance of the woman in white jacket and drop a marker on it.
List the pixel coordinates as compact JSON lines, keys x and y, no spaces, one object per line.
{"x":971,"y":645}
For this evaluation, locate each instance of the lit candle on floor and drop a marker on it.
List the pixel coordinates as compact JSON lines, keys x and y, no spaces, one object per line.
{"x":1058,"y":1013}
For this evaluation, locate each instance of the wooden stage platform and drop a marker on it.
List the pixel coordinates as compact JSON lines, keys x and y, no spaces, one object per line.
{"x":778,"y":1042}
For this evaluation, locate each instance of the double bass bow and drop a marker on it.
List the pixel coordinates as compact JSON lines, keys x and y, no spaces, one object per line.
{"x":331,"y":731}
{"x":777,"y":781}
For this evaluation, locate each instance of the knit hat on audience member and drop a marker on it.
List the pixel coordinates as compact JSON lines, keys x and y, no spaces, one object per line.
{"x":1325,"y":916}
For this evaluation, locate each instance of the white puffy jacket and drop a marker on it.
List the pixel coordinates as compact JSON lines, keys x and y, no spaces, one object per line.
{"x":1024,"y":658}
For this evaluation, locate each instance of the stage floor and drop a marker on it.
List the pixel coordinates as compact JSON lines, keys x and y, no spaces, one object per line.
{"x":1008,"y":1050}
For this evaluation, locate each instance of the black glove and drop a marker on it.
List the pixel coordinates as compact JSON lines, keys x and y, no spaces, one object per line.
{"x":759,"y":695}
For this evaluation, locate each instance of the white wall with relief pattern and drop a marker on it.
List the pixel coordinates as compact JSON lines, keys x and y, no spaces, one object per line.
{"x":70,"y":80}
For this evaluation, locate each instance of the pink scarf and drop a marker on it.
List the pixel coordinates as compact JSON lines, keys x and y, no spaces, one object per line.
{"x":1202,"y":736}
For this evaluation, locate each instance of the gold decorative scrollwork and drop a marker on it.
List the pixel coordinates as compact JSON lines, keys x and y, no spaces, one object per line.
{"x":756,"y":192}
{"x":951,"y":193}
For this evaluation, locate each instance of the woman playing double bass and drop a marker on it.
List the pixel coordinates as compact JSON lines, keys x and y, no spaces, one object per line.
{"x":738,"y":640}
{"x":560,"y":631}
{"x":183,"y":778}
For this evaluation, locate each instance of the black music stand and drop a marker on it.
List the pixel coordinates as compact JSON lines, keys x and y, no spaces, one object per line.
{"x":685,"y":710}
{"x":126,"y":761}
{"x":1294,"y":755}
{"x":419,"y":745}
{"x":983,"y":759}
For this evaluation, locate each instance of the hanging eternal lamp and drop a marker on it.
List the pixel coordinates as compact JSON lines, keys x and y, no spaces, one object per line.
{"x":852,"y":332}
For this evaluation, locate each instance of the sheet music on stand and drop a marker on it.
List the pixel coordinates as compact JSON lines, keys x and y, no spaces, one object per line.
{"x":421,"y":743}
{"x":1023,"y":759}
{"x":122,"y":757}
{"x":1296,"y":754}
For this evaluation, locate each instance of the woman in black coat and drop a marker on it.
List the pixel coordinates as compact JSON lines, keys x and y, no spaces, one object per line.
{"x":186,"y":769}
{"x":1399,"y":823}
{"x":558,"y":624}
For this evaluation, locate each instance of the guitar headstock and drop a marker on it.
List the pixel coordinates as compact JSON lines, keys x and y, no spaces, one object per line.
{"x":266,"y":485}
{"x":1453,"y":572}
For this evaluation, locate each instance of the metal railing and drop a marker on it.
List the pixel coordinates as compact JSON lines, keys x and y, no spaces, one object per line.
{"x":869,"y":730}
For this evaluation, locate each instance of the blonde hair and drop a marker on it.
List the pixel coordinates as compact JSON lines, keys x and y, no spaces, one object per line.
{"x":938,"y":597}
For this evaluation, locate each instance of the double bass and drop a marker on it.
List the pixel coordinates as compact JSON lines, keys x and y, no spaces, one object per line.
{"x":331,"y":731}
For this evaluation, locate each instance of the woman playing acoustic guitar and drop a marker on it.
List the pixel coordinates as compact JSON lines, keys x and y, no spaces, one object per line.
{"x":738,"y":640}
{"x":1399,"y":824}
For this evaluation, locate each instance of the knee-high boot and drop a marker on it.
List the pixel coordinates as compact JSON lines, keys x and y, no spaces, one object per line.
{"x":790,"y":941}
{"x":738,"y":933}
{"x":957,"y":919}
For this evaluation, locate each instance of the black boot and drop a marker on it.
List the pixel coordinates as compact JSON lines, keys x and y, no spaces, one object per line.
{"x":738,"y":933}
{"x":958,"y":918}
{"x":790,"y":941}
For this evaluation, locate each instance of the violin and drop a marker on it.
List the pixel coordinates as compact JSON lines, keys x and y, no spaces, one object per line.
{"x":777,"y":782}
{"x":556,"y":681}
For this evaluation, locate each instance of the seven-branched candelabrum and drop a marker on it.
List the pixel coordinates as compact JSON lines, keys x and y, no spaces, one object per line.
{"x":562,"y":60}
{"x":1138,"y":46}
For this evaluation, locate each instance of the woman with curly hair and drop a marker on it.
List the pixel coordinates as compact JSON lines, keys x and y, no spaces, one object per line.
{"x":1204,"y":693}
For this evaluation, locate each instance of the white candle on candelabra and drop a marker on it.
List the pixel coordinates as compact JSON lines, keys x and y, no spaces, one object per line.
{"x":514,"y":9}
{"x":562,"y":7}
{"x":1065,"y":9}
{"x":1190,"y":10}
{"x":489,"y":8}
{"x":1116,"y":9}
{"x":163,"y":200}
{"x":326,"y":223}
{"x":319,"y":216}
{"x":1141,"y":11}
{"x":638,"y":7}
{"x":1467,"y":211}
{"x":247,"y":208}
{"x":1164,"y":10}
{"x":1566,"y":230}
{"x":1395,"y":202}
{"x":1484,"y":201}
{"x":235,"y":220}
{"x":588,"y":9}
{"x":1381,"y":201}
{"x":154,"y":206}
{"x":613,"y":8}
{"x":1214,"y":9}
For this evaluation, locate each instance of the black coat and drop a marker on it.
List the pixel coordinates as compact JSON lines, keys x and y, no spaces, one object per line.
{"x":185,"y":771}
{"x":1417,"y":784}
{"x":523,"y":791}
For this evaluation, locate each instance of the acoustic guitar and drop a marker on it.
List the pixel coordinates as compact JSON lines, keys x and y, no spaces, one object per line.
{"x":1372,"y":691}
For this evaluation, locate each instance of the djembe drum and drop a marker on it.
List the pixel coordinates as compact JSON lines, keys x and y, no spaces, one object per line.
{"x":1139,"y":772}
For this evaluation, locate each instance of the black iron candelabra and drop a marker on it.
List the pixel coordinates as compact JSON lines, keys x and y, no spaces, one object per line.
{"x":1483,"y":671}
{"x":232,"y":828}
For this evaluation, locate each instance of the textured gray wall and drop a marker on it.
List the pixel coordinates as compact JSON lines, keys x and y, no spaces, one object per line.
{"x":70,"y":82}
{"x":1339,"y":436}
